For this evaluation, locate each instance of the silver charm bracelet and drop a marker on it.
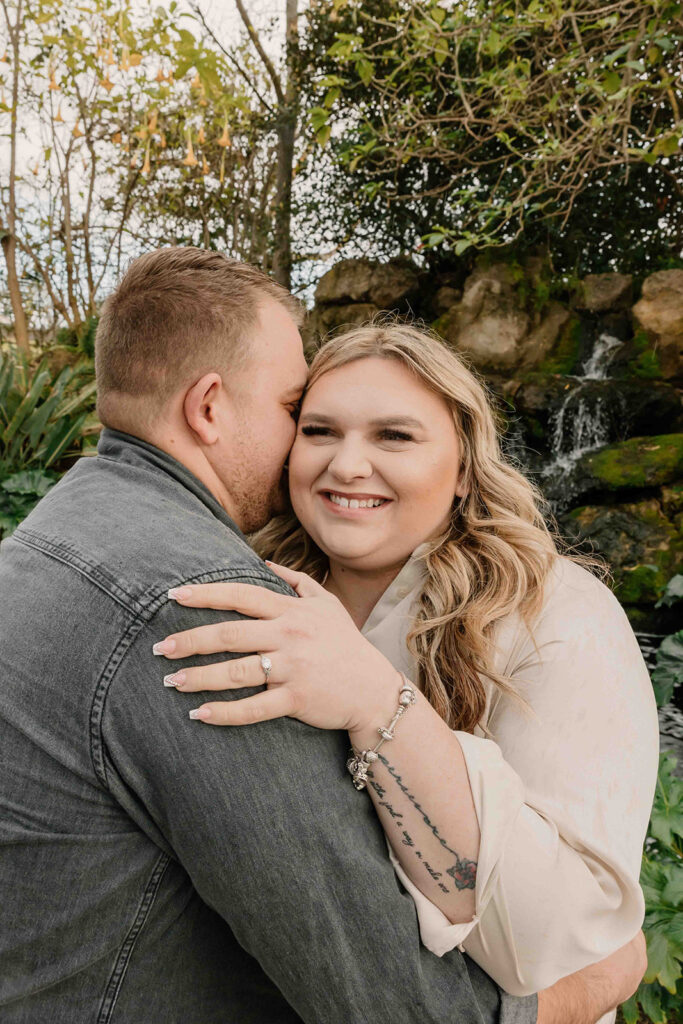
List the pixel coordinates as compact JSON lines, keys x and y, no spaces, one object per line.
{"x":359,"y":763}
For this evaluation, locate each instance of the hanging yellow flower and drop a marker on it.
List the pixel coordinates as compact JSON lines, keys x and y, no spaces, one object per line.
{"x":162,"y":141}
{"x":152,"y":123}
{"x":36,"y":168}
{"x":205,"y":166}
{"x":53,"y":86}
{"x":111,"y":59}
{"x":77,"y":133}
{"x":141,"y":133}
{"x":135,"y":59}
{"x":201,"y":138}
{"x":146,"y":167}
{"x":59,"y":119}
{"x":106,"y":83}
{"x":196,"y":81}
{"x":160,"y":76}
{"x":225,"y":138}
{"x":221,"y":176}
{"x":116,"y":137}
{"x":4,"y":59}
{"x":190,"y":159}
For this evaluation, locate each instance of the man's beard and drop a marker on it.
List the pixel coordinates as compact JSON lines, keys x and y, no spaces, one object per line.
{"x":257,"y":509}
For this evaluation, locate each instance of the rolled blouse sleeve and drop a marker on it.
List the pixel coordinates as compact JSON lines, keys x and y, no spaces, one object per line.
{"x":562,"y":793}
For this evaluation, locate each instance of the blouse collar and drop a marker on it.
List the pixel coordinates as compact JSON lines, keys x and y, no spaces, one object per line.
{"x":407,"y":582}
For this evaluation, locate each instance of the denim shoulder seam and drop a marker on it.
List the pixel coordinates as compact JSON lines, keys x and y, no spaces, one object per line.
{"x":65,"y":554}
{"x":125,"y":953}
{"x":242,"y":574}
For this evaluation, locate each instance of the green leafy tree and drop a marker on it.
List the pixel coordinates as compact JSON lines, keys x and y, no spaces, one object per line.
{"x":482,"y":124}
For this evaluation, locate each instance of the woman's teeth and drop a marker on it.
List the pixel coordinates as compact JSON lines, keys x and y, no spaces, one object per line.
{"x":337,"y":499}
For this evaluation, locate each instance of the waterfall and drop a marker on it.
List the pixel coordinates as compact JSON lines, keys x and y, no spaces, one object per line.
{"x":582,"y":423}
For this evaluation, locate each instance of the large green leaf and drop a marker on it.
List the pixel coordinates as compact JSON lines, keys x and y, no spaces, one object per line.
{"x":666,"y":823}
{"x":668,"y":672}
{"x":32,"y":481}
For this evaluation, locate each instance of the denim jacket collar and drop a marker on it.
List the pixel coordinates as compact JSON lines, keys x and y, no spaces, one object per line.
{"x":122,"y":447}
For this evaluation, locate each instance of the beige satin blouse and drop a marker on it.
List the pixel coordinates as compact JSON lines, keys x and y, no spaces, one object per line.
{"x":562,"y":794}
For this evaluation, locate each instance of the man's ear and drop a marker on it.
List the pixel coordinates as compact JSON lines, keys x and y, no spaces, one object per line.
{"x":200,"y":407}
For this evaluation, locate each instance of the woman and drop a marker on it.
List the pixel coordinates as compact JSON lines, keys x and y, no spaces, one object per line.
{"x":516,"y":790}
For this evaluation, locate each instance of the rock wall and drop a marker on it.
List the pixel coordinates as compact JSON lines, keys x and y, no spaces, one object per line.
{"x":589,"y":382}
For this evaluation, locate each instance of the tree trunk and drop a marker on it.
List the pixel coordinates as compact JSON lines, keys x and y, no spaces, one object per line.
{"x":9,"y":241}
{"x":282,"y":253}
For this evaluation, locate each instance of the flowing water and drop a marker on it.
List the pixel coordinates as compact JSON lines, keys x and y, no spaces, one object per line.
{"x":586,"y":420}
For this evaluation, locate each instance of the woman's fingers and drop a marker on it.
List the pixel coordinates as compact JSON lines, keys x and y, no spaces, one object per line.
{"x":252,"y":600}
{"x":239,"y":636}
{"x":275,"y":703}
{"x":223,"y":675}
{"x":303,"y":584}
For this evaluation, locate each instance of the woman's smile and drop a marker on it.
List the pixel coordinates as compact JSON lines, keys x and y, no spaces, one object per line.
{"x":352,"y":505}
{"x":375,"y":466}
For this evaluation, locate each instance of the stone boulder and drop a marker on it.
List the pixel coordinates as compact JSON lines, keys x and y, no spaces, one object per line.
{"x":326,"y":320}
{"x":599,"y":293}
{"x":660,"y":313}
{"x":641,"y":545}
{"x":634,"y":464}
{"x":487,"y":325}
{"x":385,"y":285}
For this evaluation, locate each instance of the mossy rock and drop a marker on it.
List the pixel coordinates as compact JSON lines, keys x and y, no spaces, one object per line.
{"x":566,"y":353}
{"x":640,"y":462}
{"x":641,"y":544}
{"x":644,"y":361}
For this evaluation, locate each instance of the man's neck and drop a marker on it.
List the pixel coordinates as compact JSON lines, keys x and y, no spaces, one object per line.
{"x":193,"y":458}
{"x":359,"y":591}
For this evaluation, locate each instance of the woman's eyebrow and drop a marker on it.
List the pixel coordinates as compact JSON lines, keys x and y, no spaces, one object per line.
{"x":383,"y":421}
{"x":397,"y":421}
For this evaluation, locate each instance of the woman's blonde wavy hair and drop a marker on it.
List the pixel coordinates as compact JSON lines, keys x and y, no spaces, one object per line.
{"x":496,"y":553}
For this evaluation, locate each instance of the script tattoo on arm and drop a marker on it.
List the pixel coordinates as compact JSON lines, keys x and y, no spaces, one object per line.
{"x":463,"y":871}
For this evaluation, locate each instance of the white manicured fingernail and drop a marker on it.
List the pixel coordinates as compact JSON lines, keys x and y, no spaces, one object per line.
{"x":175,"y":679}
{"x":200,"y":714}
{"x":164,"y":647}
{"x":180,"y":593}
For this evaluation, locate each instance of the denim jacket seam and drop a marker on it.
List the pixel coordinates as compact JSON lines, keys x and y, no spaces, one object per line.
{"x":125,"y":642}
{"x":127,"y":948}
{"x":78,"y":563}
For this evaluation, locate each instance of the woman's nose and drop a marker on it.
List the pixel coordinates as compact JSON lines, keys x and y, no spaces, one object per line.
{"x":350,"y":462}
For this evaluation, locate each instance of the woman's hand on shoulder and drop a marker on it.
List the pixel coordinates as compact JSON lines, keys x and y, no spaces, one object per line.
{"x":323,"y":670}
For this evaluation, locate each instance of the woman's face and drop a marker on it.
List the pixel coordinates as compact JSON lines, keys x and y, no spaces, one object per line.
{"x":375,"y":464}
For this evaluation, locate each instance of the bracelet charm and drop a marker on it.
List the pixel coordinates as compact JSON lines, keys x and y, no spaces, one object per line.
{"x":359,"y":762}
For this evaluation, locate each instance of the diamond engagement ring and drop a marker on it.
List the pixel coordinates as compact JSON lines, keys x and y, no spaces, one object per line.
{"x":266,"y":665}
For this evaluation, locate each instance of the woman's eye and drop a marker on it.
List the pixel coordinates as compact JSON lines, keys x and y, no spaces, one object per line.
{"x":395,"y":435}
{"x":315,"y":431}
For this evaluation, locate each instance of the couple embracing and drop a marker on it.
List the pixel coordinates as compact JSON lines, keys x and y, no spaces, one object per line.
{"x":390,"y":760}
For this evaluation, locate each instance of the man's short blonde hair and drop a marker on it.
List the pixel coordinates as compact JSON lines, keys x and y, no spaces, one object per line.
{"x":177,"y":313}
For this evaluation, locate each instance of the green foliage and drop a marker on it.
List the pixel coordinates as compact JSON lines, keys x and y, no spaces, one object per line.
{"x":673,"y":592}
{"x":43,"y":419}
{"x":479,"y":125}
{"x":660,"y":994}
{"x":19,"y":493}
{"x":81,"y":338}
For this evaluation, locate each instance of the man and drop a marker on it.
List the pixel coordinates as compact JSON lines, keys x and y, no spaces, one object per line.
{"x":152,"y":871}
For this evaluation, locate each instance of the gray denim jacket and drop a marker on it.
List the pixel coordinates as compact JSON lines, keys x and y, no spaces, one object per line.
{"x":155,"y":870}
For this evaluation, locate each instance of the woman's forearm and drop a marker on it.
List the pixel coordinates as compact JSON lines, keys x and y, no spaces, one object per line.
{"x":421,"y":791}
